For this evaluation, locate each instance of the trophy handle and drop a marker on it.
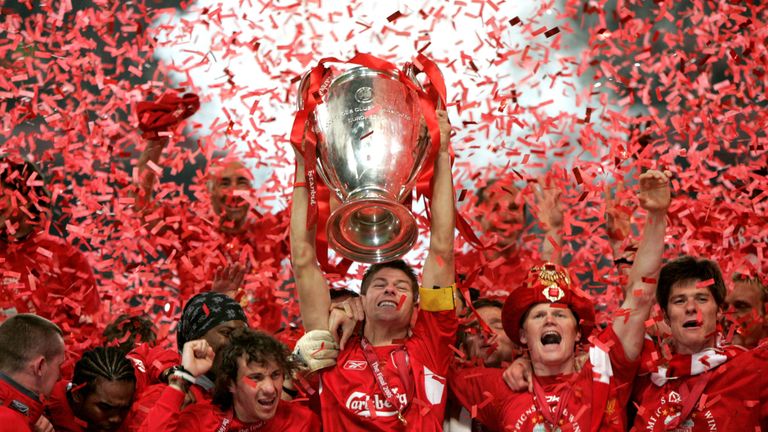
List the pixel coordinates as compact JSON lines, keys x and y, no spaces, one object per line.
{"x":412,"y":72}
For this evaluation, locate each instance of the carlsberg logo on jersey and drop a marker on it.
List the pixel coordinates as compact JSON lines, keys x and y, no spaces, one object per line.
{"x":361,"y":404}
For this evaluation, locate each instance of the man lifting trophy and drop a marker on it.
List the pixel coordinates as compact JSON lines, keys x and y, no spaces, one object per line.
{"x":368,"y":141}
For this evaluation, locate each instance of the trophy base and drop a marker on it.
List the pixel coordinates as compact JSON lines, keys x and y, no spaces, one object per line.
{"x":372,"y":230}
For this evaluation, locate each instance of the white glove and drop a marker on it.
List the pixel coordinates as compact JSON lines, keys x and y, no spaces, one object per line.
{"x":317,"y":350}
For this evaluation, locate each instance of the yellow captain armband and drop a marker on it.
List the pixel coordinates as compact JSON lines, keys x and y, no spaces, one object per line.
{"x":437,"y":299}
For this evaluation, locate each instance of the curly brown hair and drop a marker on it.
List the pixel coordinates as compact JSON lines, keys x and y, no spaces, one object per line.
{"x":253,"y":346}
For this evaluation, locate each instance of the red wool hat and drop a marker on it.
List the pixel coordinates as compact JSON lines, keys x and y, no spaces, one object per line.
{"x":547,"y":283}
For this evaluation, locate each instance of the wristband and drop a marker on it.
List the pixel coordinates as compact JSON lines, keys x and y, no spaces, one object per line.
{"x":299,"y":184}
{"x":179,"y":372}
{"x":186,"y":376}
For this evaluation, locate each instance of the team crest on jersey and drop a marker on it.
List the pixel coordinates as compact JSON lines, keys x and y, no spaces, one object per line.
{"x":674,"y":397}
{"x":355,"y":365}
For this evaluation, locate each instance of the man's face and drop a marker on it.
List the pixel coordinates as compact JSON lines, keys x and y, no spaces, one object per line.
{"x":692,"y":315}
{"x":389,"y":298}
{"x":502,"y":213}
{"x":498,"y":348}
{"x":746,"y":310}
{"x":551,"y":333}
{"x":106,"y":407}
{"x":218,"y":337}
{"x":257,"y":390}
{"x":229,"y":181}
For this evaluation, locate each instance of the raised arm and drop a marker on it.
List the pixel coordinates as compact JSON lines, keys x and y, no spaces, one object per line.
{"x":150,"y":156}
{"x":312,"y":287}
{"x":550,"y":215}
{"x":629,"y":326}
{"x":154,"y":118}
{"x":439,"y":267}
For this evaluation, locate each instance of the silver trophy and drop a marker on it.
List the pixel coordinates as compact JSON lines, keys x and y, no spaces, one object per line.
{"x":372,"y":143}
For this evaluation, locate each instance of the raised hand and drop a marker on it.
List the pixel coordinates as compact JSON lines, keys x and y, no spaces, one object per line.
{"x":655,"y":193}
{"x":548,"y":210}
{"x":167,"y":111}
{"x":617,"y":221}
{"x":317,"y":349}
{"x":197,"y":357}
{"x":445,"y":129}
{"x":345,"y":316}
{"x":228,"y":280}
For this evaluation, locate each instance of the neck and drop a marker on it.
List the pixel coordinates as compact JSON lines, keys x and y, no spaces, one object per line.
{"x":382,"y":334}
{"x":567,"y":367}
{"x":693,"y":349}
{"x":244,"y":416}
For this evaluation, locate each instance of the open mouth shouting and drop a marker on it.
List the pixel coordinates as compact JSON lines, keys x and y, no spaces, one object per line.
{"x":692,"y":324}
{"x":551,"y":337}
{"x":267,"y":404}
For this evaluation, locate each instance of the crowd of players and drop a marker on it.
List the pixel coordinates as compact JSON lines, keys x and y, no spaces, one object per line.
{"x":407,"y":353}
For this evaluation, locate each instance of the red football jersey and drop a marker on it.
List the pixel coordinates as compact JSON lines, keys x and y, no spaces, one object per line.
{"x":58,"y":412}
{"x":735,"y":398}
{"x":150,"y":362}
{"x":203,"y":416}
{"x":350,"y":398}
{"x":599,"y":393}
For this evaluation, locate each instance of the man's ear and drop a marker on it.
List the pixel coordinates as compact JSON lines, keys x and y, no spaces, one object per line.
{"x":77,"y":394}
{"x":37,"y":365}
{"x":523,"y":337}
{"x":232,"y":387}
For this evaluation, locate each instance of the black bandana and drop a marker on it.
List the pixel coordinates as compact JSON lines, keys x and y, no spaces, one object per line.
{"x":204,"y":312}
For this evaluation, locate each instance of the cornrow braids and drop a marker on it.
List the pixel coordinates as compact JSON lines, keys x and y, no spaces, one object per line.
{"x":127,"y":331}
{"x":109,"y":363}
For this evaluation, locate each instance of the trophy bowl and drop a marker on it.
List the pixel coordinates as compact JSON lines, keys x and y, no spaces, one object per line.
{"x":372,"y":144}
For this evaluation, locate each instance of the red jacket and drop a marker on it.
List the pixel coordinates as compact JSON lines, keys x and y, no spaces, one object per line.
{"x":13,"y":420}
{"x":149,"y":362}
{"x":59,"y":413}
{"x":17,"y":403}
{"x":167,"y":416}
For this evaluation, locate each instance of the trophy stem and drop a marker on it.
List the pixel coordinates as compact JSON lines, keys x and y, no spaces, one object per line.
{"x":372,"y":230}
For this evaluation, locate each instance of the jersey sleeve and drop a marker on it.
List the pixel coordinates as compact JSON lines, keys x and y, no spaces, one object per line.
{"x":436,"y":327}
{"x":13,"y":421}
{"x":164,"y":415}
{"x":481,"y":391}
{"x":608,"y":358}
